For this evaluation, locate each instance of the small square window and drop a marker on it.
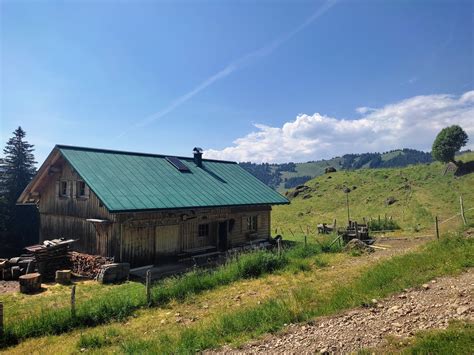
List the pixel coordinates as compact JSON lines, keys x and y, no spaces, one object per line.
{"x":63,"y":188}
{"x":81,"y":189}
{"x":252,"y":223}
{"x":203,"y":230}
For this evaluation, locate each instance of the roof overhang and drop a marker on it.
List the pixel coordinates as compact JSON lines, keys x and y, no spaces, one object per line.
{"x":30,"y":194}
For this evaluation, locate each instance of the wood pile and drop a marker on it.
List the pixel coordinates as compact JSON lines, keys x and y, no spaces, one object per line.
{"x":88,"y":265}
{"x":50,"y":256}
{"x":12,"y":269}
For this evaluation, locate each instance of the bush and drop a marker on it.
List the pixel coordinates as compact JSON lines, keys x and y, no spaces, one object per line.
{"x":383,"y":225}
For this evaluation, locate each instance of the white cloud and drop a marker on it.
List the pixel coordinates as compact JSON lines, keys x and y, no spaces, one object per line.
{"x":411,"y":123}
{"x":363,"y":110}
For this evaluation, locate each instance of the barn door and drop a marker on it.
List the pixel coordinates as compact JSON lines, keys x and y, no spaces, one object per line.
{"x":166,"y":240}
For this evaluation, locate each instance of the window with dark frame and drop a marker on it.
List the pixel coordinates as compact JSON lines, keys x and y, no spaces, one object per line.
{"x":81,"y":189}
{"x":63,"y":189}
{"x":203,"y":230}
{"x":252,"y":223}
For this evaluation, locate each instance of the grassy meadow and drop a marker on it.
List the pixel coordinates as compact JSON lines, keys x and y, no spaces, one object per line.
{"x":422,"y":192}
{"x":260,"y":292}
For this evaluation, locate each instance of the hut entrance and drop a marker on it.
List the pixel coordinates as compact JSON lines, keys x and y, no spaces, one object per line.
{"x":222,"y":233}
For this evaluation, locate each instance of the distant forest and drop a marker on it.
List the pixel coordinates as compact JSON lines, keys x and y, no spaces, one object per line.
{"x":272,"y":174}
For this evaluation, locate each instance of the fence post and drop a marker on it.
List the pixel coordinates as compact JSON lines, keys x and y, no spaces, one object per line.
{"x":462,"y":211}
{"x":305,"y":241}
{"x":1,"y":319}
{"x":73,"y":301}
{"x":279,"y":247}
{"x":148,"y":287}
{"x":436,"y":227}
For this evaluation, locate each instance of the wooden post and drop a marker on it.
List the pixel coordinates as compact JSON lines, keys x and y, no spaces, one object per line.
{"x":73,"y":301}
{"x":29,"y":267}
{"x":356,"y":230}
{"x":347,"y":204}
{"x":334,"y":225}
{"x":305,"y":241}
{"x":1,"y":319}
{"x":279,"y":247}
{"x":148,"y":287}
{"x":462,"y":211}
{"x":436,"y":227}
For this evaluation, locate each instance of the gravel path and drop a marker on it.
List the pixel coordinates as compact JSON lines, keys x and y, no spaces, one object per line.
{"x":428,"y":307}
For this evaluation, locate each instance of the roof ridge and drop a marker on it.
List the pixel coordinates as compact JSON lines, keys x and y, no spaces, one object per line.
{"x":112,"y":151}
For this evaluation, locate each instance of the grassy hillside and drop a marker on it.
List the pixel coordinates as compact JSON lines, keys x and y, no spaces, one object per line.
{"x":421,"y":191}
{"x":288,"y":175}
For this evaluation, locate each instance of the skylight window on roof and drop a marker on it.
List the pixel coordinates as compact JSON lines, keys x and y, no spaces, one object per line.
{"x":178,"y":164}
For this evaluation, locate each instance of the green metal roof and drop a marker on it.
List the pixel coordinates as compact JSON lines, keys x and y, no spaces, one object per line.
{"x":126,"y":181}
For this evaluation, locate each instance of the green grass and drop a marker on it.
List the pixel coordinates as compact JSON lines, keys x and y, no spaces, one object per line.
{"x":97,"y":341}
{"x":248,"y":266}
{"x":383,"y":225}
{"x":457,"y":339}
{"x":422,"y":192}
{"x":438,"y":258}
{"x":116,"y":306}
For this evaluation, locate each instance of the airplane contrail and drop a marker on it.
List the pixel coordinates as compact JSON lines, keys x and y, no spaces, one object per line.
{"x":233,"y":66}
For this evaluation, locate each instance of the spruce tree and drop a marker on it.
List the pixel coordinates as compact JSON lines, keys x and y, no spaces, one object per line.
{"x":17,"y":168}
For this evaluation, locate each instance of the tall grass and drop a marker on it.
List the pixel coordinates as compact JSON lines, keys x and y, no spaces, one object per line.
{"x":119,"y":305}
{"x":248,"y":266}
{"x":438,"y":258}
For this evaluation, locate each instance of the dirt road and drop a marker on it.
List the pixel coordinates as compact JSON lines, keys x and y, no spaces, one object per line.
{"x":430,"y":306}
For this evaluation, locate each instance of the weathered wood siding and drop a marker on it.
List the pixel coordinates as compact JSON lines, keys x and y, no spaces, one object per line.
{"x":65,"y":217}
{"x":151,"y":237}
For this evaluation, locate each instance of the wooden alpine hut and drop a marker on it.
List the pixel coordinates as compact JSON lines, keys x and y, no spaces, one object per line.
{"x":148,"y":208}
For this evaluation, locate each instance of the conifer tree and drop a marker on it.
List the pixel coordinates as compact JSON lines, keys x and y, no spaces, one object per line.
{"x":17,"y":168}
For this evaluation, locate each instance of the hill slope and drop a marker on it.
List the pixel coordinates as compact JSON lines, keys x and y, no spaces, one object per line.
{"x":421,"y":193}
{"x":289,"y":175}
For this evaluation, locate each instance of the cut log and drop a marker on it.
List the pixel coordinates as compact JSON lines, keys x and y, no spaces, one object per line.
{"x":63,"y":277}
{"x":30,"y":283}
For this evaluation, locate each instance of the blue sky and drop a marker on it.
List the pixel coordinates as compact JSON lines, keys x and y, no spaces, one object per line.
{"x":245,"y":80}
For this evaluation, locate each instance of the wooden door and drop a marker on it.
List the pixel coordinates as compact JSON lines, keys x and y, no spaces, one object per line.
{"x":167,"y":240}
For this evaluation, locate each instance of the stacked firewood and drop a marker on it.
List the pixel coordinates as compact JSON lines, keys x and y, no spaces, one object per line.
{"x":50,"y":256}
{"x":88,"y":265}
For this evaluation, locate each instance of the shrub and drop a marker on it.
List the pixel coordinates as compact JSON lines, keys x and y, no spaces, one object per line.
{"x":383,"y":225}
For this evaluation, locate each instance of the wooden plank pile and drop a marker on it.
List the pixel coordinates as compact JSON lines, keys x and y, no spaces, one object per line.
{"x":88,"y":265}
{"x":354,"y":231}
{"x":50,"y":256}
{"x":12,"y":269}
